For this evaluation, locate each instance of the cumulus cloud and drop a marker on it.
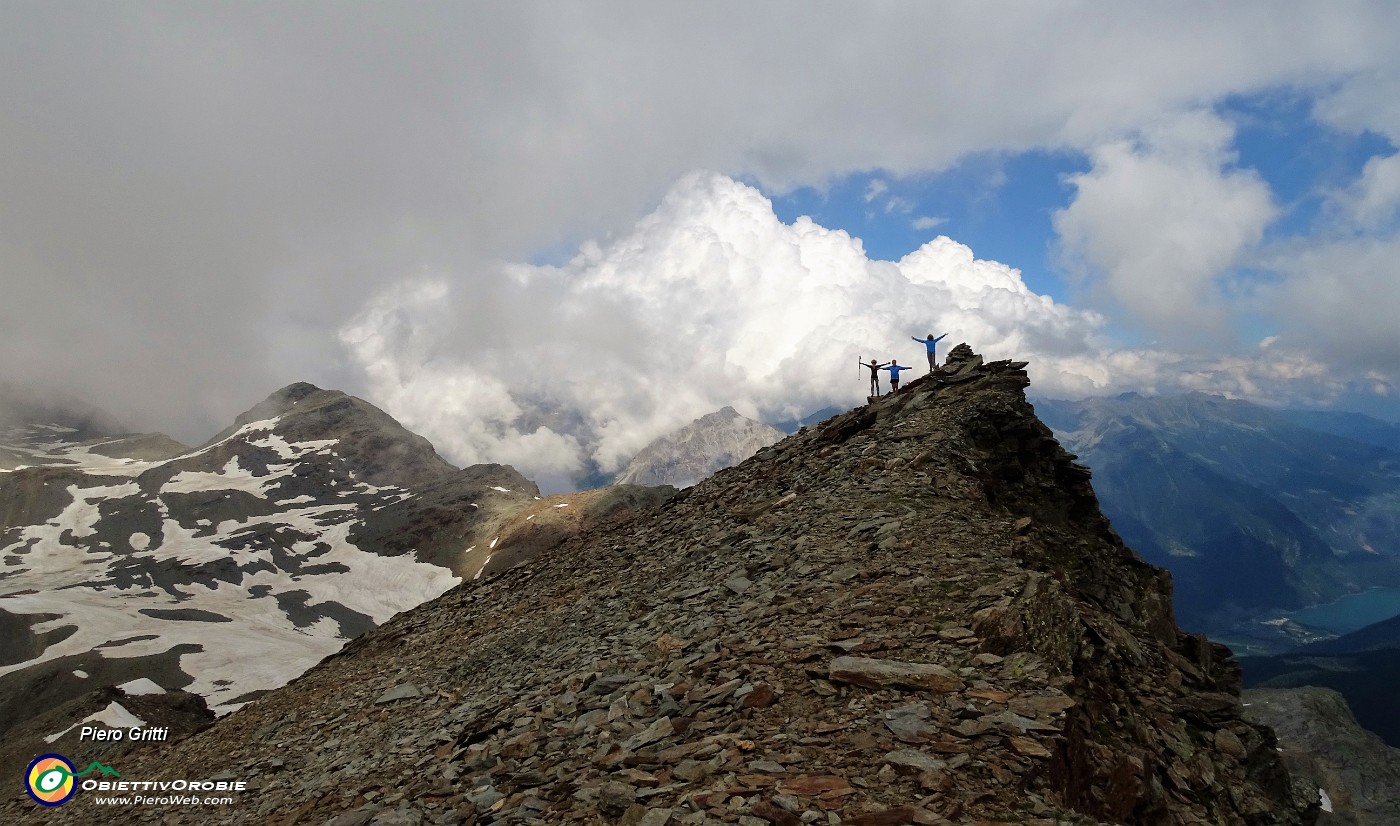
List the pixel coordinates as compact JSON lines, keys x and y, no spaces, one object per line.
{"x":1374,"y":200}
{"x":1341,"y":300}
{"x":707,"y":301}
{"x":1161,"y":217}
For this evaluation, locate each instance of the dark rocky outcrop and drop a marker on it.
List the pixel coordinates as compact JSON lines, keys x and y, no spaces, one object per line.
{"x":171,"y":715}
{"x":913,"y":613}
{"x":1323,"y":746}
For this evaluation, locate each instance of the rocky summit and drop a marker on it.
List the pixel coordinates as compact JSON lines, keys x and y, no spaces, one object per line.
{"x":914,"y":612}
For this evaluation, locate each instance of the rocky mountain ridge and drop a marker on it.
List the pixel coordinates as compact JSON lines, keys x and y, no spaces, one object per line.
{"x":228,"y":569}
{"x":912,"y":613}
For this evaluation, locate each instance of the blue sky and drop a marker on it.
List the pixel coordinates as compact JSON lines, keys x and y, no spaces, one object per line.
{"x":1001,"y":204}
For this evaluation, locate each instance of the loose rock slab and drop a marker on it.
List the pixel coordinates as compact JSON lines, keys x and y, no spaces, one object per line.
{"x":871,"y":673}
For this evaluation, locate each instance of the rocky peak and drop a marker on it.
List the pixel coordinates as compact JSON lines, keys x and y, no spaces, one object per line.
{"x":710,"y":443}
{"x":380,"y":449}
{"x":911,"y":613}
{"x":960,"y":356}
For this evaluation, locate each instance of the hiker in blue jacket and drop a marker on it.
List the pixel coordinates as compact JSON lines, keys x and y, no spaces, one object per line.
{"x":930,"y":343}
{"x":875,"y":368}
{"x":894,"y":367}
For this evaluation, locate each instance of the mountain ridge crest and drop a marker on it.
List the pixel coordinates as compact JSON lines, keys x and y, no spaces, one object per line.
{"x":911,"y":612}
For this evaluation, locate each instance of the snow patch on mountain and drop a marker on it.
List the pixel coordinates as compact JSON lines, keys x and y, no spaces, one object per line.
{"x":247,"y":568}
{"x":114,"y":715}
{"x":140,"y":687}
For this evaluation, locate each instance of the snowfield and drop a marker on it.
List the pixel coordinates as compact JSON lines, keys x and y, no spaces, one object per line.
{"x":138,"y":566}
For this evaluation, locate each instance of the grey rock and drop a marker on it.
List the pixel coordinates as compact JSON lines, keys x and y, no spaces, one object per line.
{"x":873,"y":673}
{"x":660,"y":729}
{"x":484,"y":799}
{"x":739,"y":585}
{"x":404,"y":691}
{"x":1010,"y":723}
{"x":766,"y":767}
{"x":914,"y":760}
{"x":398,"y":817}
{"x":910,"y":724}
{"x":615,"y":798}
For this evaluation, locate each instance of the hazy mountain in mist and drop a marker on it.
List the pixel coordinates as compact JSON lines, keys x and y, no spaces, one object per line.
{"x":709,"y":444}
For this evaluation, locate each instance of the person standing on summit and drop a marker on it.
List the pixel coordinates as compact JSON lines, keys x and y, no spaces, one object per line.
{"x":930,"y":343}
{"x":894,"y":367}
{"x":875,"y":368}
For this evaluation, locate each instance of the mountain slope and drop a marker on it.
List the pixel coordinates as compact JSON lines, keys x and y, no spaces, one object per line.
{"x":1362,"y":666}
{"x":709,"y":444}
{"x":1366,"y":679}
{"x":229,"y":569}
{"x":1249,"y":511}
{"x":1322,"y":742}
{"x":1377,"y":635}
{"x":1355,"y":426}
{"x":224,"y":569}
{"x":914,"y":612}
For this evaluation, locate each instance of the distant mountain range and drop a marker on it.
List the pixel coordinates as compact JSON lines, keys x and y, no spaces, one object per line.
{"x":1252,"y":510}
{"x":1357,"y":426}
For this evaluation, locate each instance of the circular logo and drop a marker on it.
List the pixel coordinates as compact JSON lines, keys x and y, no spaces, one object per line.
{"x":49,"y":780}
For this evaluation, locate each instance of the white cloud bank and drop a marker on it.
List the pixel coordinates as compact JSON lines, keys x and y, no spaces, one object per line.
{"x":1340,"y":300}
{"x":711,"y":300}
{"x":1162,"y":217}
{"x":197,"y":196}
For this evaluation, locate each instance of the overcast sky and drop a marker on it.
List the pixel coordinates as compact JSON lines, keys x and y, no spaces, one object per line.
{"x":544,"y":233}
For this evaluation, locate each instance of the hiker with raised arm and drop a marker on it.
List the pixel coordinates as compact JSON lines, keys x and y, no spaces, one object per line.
{"x":874,"y":367}
{"x":894,"y":367}
{"x":930,"y":343}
